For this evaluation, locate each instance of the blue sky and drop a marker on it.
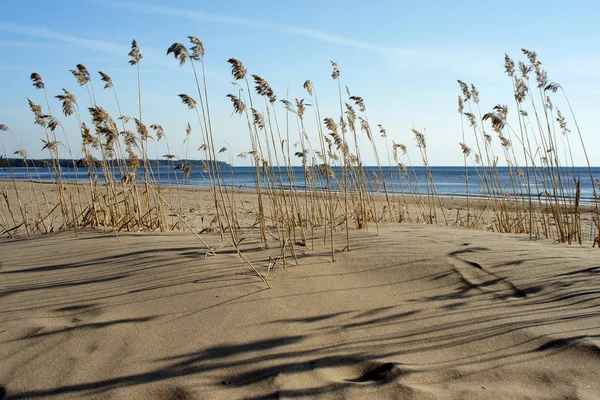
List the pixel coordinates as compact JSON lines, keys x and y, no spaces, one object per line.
{"x":403,"y":58}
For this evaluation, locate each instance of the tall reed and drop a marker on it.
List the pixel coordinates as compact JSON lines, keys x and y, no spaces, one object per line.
{"x":541,"y":195}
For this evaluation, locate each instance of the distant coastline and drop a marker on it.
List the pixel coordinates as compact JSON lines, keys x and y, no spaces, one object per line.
{"x":68,"y":163}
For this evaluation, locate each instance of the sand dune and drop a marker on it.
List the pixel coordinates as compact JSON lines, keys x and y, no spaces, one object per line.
{"x":418,"y":312}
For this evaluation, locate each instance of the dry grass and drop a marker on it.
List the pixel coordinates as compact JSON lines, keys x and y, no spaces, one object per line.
{"x":539,"y":201}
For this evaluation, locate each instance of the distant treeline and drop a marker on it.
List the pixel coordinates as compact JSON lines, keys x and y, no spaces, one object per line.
{"x":82,"y":163}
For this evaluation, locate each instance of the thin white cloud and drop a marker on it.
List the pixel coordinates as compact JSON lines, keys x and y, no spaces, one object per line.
{"x":451,"y":59}
{"x":21,"y":44}
{"x":152,"y":55}
{"x":92,"y":44}
{"x":156,"y":56}
{"x":14,"y":67}
{"x":465,"y":62}
{"x":234,"y":20}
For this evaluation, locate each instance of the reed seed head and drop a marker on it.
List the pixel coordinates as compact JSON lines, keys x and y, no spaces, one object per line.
{"x":531,"y":56}
{"x":420,"y":138}
{"x":464,"y":88}
{"x":365,"y":127}
{"x":465,"y":149}
{"x":81,"y":74}
{"x":525,"y":69}
{"x":351,"y":117}
{"x":188,"y":101}
{"x":258,"y":119}
{"x":541,"y":76}
{"x":186,"y":167}
{"x":158,"y":130}
{"x":36,"y":109}
{"x":497,"y":118}
{"x":238,"y":104}
{"x":331,"y":125}
{"x":301,"y":154}
{"x":520,"y":90}
{"x":561,"y":122}
{"x":509,"y":66}
{"x":86,"y":136}
{"x":336,"y":71}
{"x":245,"y":154}
{"x":50,"y":144}
{"x":83,"y":71}
{"x":68,"y":101}
{"x":106,"y":79}
{"x":142,"y":130}
{"x":502,"y":110}
{"x":359,"y":102}
{"x":471,"y":118}
{"x":105,"y":126}
{"x":343,"y":125}
{"x":38,"y":83}
{"x":474,"y":94}
{"x":135,"y":53}
{"x":309,"y":87}
{"x":129,"y":138}
{"x":180,"y":52}
{"x":125,"y":118}
{"x":22,"y":152}
{"x":288,"y":106}
{"x":53,"y":123}
{"x":552,"y":87}
{"x":300,"y":108}
{"x":329,"y":144}
{"x":263,"y":89}
{"x":504,"y":141}
{"x":197,"y":48}
{"x":339,"y":144}
{"x":237,"y":69}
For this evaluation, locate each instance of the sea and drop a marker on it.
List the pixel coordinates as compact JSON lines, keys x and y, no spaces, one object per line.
{"x":448,"y":181}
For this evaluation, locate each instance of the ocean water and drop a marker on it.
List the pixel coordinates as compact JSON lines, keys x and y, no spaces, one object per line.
{"x":449,"y":181}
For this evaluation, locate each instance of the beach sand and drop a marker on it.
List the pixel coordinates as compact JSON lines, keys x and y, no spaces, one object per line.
{"x":416,"y":312}
{"x":411,"y":312}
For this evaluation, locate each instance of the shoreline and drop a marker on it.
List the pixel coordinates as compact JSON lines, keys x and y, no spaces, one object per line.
{"x":587,"y":204}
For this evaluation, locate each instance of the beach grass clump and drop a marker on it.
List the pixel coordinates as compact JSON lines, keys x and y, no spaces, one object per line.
{"x":542,"y":196}
{"x":116,"y":186}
